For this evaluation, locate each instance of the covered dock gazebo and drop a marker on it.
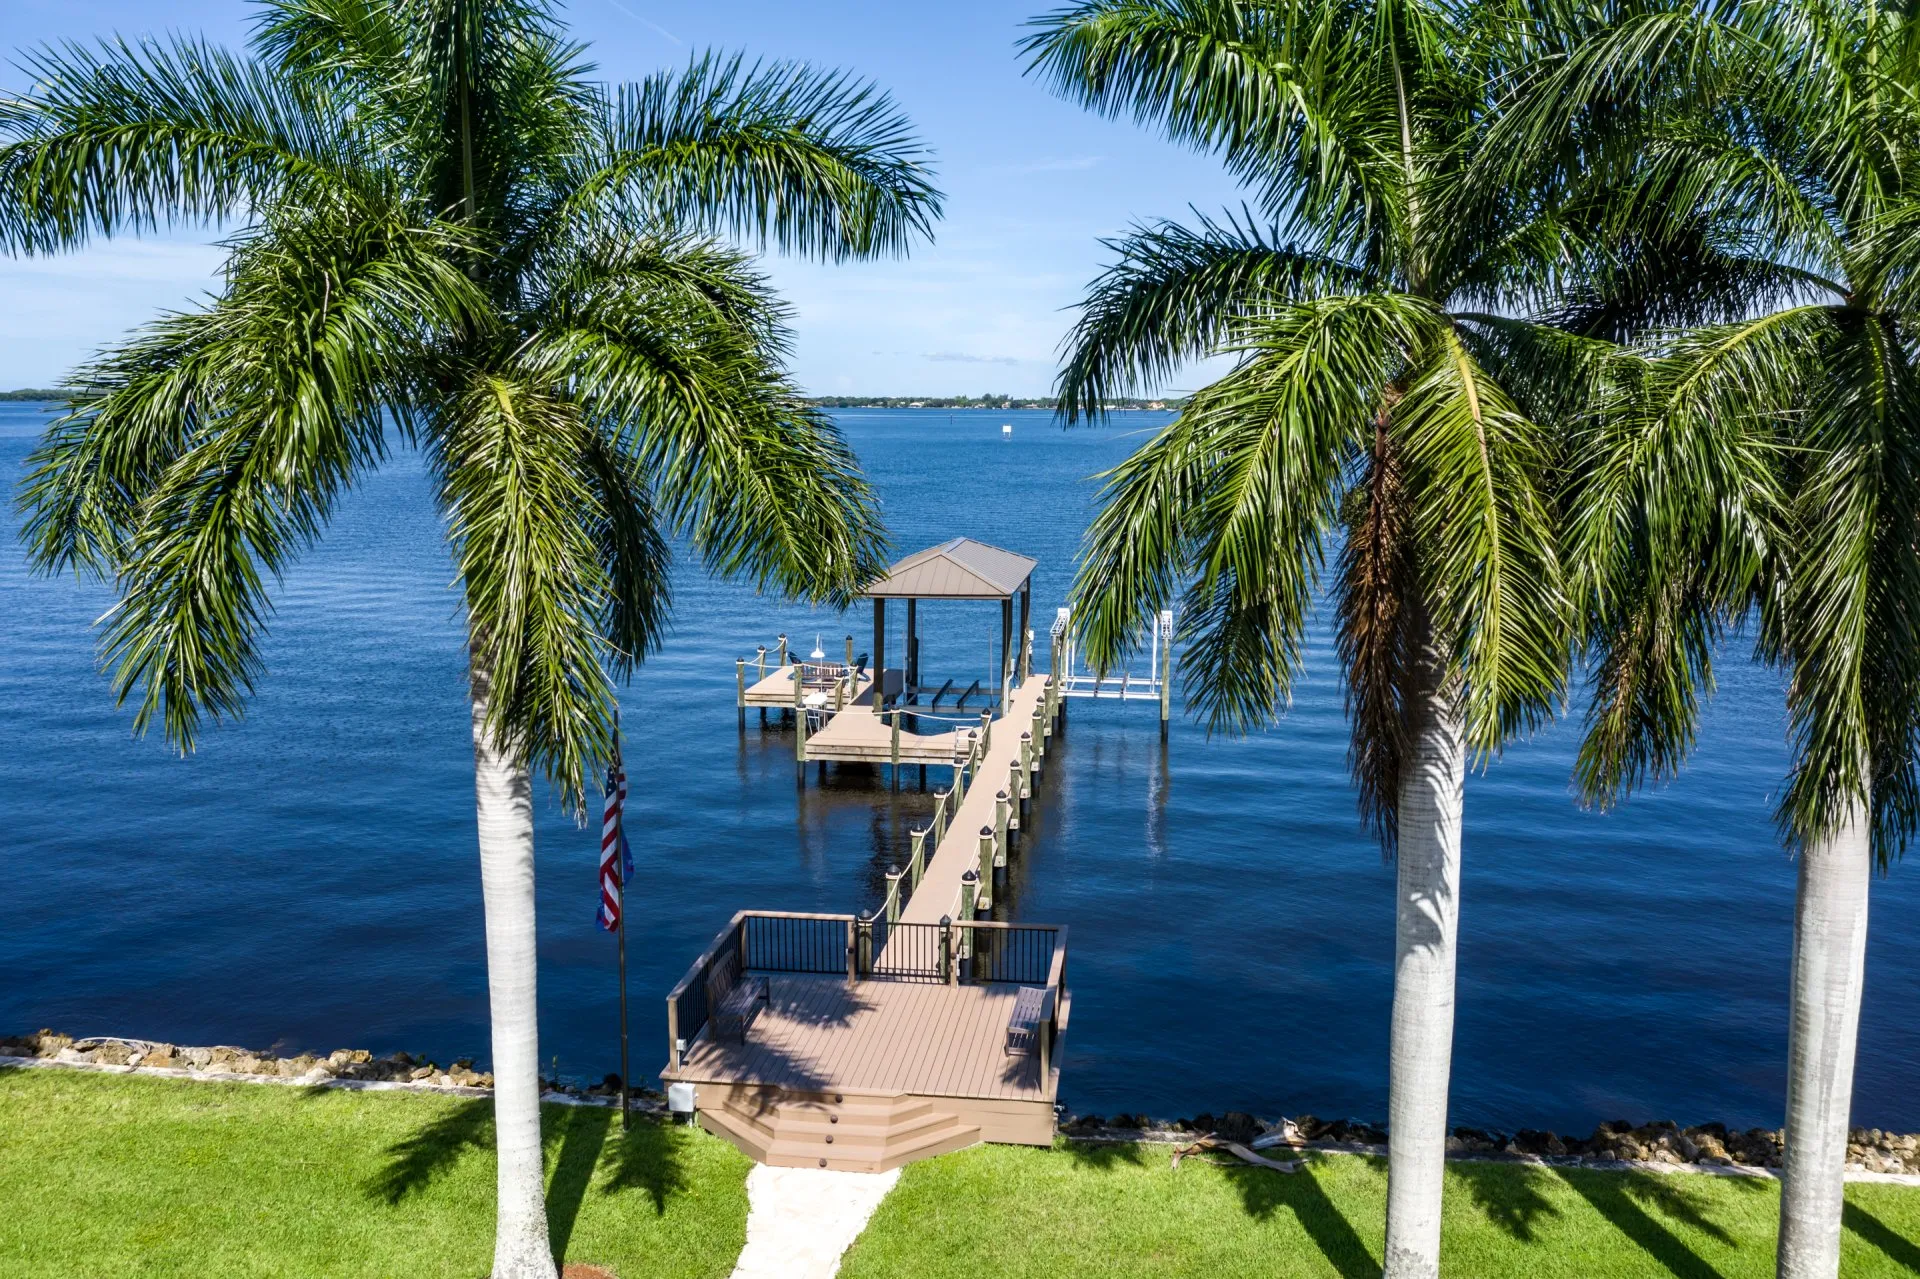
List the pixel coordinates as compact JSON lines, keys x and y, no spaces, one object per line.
{"x":957,"y":569}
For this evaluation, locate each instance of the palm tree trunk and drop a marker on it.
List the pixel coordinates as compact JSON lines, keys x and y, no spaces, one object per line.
{"x":503,"y":795}
{"x":1829,"y":969}
{"x":1426,"y":919}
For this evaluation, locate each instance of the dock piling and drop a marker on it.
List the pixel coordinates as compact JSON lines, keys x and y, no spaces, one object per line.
{"x":1026,"y":770}
{"x":799,"y":728}
{"x":918,"y":866}
{"x":946,"y":948}
{"x":863,"y":945}
{"x":988,"y":851}
{"x":740,"y":688}
{"x":849,"y":652}
{"x":893,"y":889}
{"x":783,"y":648}
{"x":1002,"y":814}
{"x":895,"y":769}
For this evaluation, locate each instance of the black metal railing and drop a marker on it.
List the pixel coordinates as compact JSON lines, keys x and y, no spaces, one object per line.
{"x":913,"y":952}
{"x":794,"y":943}
{"x":1016,"y":953}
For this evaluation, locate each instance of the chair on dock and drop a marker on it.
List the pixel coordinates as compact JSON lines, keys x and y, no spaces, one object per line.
{"x":1023,"y":1027}
{"x":733,"y":1001}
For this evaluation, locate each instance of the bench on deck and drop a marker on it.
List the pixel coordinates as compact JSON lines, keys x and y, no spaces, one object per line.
{"x":733,"y":1001}
{"x":1023,"y":1027}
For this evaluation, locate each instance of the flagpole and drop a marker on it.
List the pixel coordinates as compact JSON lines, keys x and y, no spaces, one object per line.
{"x":626,"y":1114}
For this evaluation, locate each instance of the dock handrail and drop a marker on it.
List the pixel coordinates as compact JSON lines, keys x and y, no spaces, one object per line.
{"x":735,"y":945}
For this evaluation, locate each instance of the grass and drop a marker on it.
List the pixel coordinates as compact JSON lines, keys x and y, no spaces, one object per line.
{"x":1112,"y":1212}
{"x":122,"y":1175}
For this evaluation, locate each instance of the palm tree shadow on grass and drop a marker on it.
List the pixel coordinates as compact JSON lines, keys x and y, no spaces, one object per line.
{"x":581,"y":1133}
{"x":1625,"y":1198}
{"x":650,"y":1156}
{"x":1899,"y":1249}
{"x":1513,"y":1198}
{"x":415,"y":1162}
{"x":1263,"y":1192}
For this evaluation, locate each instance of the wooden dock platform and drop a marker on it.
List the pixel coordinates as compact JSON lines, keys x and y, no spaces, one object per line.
{"x":848,"y":1060}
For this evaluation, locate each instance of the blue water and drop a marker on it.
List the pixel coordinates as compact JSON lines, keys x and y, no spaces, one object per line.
{"x":308,"y":879}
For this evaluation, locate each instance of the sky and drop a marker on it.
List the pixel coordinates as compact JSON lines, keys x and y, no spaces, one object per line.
{"x":1032,"y":184}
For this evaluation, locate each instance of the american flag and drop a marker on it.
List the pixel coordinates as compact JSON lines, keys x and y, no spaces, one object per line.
{"x":616,"y":861}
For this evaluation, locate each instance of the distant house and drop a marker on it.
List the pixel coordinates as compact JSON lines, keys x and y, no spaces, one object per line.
{"x":1156,"y":404}
{"x":918,"y":404}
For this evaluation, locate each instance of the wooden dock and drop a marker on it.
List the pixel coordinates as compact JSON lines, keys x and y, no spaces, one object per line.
{"x":865,"y":1041}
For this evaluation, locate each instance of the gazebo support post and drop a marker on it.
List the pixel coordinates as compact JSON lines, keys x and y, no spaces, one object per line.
{"x":879,"y":653}
{"x":1026,"y":604}
{"x":912,"y":690}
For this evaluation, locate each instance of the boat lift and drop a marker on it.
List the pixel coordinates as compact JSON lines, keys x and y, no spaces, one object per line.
{"x":1156,"y":685}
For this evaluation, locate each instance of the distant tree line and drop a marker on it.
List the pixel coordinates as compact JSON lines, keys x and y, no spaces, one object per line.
{"x":973,"y":402}
{"x":33,"y":393}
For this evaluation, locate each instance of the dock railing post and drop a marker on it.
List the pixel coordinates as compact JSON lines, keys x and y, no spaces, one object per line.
{"x":863,"y":945}
{"x":740,"y":686}
{"x":986,"y":732}
{"x":763,"y":661}
{"x":1026,"y":656}
{"x":917,"y":864}
{"x":1002,"y":823}
{"x":989,"y":850}
{"x":1026,"y":770}
{"x":849,"y":654}
{"x":946,"y":948}
{"x":969,"y":906}
{"x":783,"y":648}
{"x":893,"y":893}
{"x":853,"y":953}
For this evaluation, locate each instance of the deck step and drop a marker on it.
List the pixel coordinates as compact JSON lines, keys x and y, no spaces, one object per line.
{"x":850,"y":1132}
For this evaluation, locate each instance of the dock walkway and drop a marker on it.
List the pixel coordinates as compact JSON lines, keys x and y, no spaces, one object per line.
{"x":1031,"y":709}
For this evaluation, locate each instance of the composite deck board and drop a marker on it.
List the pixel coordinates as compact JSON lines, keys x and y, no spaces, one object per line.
{"x":858,"y":734}
{"x":776,"y":690}
{"x":818,"y":1033}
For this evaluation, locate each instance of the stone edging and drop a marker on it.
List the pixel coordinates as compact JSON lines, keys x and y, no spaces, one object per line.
{"x":1151,"y":1137}
{"x":640,"y":1104}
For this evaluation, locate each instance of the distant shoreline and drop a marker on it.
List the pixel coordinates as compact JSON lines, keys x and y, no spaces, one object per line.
{"x":41,"y":395}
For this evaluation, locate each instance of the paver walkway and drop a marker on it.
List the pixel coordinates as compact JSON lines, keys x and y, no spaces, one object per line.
{"x":800,"y":1220}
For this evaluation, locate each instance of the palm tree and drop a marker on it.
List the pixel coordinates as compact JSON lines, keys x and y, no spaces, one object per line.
{"x":1766,"y":462}
{"x":451,"y":237}
{"x":1368,"y":305}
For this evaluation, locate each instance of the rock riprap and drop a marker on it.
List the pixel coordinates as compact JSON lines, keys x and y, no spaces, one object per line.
{"x":1664,"y":1142}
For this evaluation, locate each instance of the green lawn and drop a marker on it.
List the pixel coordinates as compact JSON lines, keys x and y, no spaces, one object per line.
{"x":1111,"y":1212}
{"x":127,"y":1176}
{"x":140,"y":1177}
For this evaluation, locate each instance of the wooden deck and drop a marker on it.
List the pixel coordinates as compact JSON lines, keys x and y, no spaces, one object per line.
{"x":858,"y":736}
{"x":854,"y":1068}
{"x":824,"y":1034}
{"x":774,"y":691}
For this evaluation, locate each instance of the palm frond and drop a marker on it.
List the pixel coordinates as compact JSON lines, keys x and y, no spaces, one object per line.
{"x":1174,"y":295}
{"x":130,"y":137}
{"x":522,"y":511}
{"x":1489,"y":568}
{"x":1295,"y":98}
{"x":817,"y":163}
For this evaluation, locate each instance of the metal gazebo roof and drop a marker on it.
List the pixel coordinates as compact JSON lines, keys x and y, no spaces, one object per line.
{"x":958,"y":569}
